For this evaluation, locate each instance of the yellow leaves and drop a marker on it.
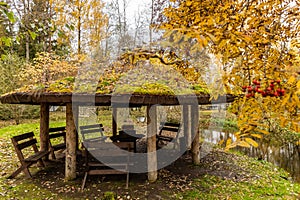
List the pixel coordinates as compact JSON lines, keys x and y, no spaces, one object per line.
{"x":291,"y":80}
{"x":247,"y":38}
{"x":223,"y":43}
{"x":77,"y":15}
{"x":211,"y":37}
{"x":229,"y":144}
{"x":47,"y":68}
{"x":256,"y":135}
{"x":283,"y":121}
{"x":285,"y":100}
{"x":243,"y":144}
{"x":221,"y":142}
{"x":247,"y":143}
{"x":295,"y":126}
{"x":251,"y":142}
{"x":229,"y":141}
{"x":298,"y":85}
{"x":295,"y":98}
{"x":189,"y":2}
{"x":262,"y":131}
{"x":251,"y":44}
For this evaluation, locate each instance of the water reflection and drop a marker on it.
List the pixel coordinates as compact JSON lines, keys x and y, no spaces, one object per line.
{"x":287,"y":157}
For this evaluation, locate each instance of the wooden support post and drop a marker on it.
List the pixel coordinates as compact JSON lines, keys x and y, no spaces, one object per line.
{"x":70,"y":168}
{"x":76,"y":123}
{"x":195,"y":134}
{"x":190,"y":129}
{"x":151,"y":143}
{"x":114,"y":121}
{"x":186,"y":126}
{"x":44,"y":127}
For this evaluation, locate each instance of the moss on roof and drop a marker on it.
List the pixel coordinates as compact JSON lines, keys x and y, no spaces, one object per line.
{"x":141,"y":72}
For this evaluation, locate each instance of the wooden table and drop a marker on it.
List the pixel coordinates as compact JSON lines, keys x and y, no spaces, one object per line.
{"x":127,"y":137}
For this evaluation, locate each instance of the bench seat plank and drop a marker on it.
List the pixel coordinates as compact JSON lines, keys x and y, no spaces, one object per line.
{"x":37,"y":156}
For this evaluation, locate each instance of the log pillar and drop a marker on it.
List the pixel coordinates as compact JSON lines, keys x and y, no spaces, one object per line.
{"x":44,"y":127}
{"x":186,"y":127}
{"x":195,"y":134}
{"x":76,"y":123}
{"x":70,"y":167}
{"x":151,"y":143}
{"x":114,"y":121}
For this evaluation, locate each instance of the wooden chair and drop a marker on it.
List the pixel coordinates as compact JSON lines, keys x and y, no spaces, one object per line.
{"x":25,"y":141}
{"x":103,"y":158}
{"x":92,"y":132}
{"x":168,"y":132}
{"x":57,"y":140}
{"x":127,"y":134}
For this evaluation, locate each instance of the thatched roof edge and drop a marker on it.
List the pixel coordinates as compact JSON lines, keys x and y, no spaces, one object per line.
{"x":108,"y":99}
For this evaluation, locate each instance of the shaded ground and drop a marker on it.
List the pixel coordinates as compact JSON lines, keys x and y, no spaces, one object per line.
{"x":175,"y":178}
{"x":176,"y":181}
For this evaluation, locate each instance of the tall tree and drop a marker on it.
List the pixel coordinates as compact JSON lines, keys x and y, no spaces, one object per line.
{"x":23,"y":9}
{"x":257,"y":44}
{"x":10,"y":66}
{"x":7,"y":19}
{"x":140,"y":28}
{"x":119,"y":25}
{"x":35,"y":29}
{"x":82,"y":20}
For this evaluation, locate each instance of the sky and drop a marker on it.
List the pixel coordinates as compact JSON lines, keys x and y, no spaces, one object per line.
{"x":133,"y":6}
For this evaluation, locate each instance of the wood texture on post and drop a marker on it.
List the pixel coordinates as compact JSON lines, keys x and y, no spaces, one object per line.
{"x":186,"y":126}
{"x":114,"y":121}
{"x":70,"y":167}
{"x":190,"y":129}
{"x":195,"y":134}
{"x":151,"y":143}
{"x":76,"y":123}
{"x":44,"y":127}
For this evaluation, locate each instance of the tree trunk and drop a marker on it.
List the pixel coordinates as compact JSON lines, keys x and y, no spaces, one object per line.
{"x":79,"y":36}
{"x":124,"y":18}
{"x":106,"y":41}
{"x":27,"y":48}
{"x":120,"y":27}
{"x":151,"y":22}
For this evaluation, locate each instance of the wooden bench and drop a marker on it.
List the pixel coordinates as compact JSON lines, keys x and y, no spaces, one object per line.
{"x":92,"y":132}
{"x":103,"y":158}
{"x":168,"y":132}
{"x":25,"y":141}
{"x":57,"y":140}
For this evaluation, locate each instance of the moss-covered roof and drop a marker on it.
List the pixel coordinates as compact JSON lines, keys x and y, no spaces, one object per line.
{"x":155,"y":79}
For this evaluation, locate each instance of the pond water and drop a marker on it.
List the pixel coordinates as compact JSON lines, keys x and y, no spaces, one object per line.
{"x":286,"y":157}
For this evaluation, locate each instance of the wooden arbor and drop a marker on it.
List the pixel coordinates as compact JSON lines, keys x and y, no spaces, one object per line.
{"x":73,"y":101}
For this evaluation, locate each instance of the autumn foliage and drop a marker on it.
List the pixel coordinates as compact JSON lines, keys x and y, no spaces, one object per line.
{"x":258,"y":46}
{"x":47,"y":68}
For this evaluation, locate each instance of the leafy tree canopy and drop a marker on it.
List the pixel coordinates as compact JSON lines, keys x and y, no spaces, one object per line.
{"x":257,"y":43}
